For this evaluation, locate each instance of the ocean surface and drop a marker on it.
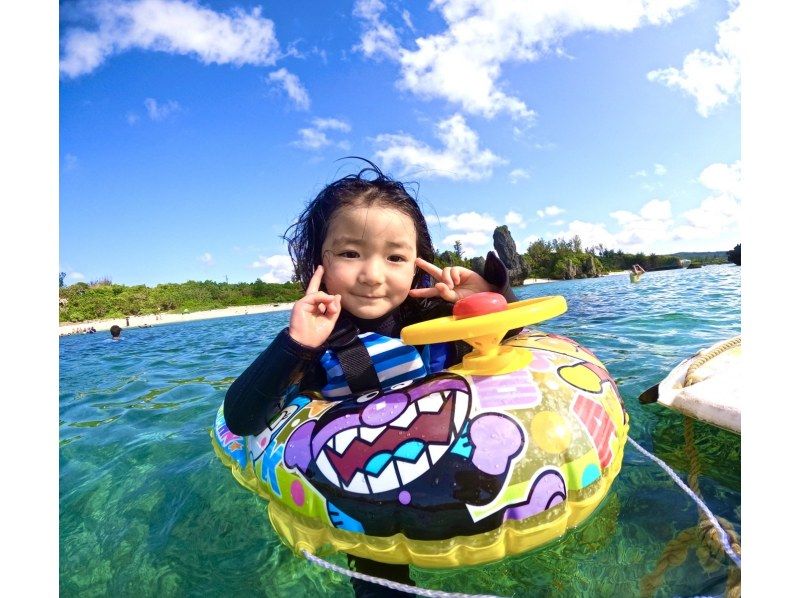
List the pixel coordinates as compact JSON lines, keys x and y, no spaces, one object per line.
{"x":147,"y":509}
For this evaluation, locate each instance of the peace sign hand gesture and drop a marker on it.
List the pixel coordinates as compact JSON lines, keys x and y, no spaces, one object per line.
{"x":454,"y":283}
{"x":314,"y":316}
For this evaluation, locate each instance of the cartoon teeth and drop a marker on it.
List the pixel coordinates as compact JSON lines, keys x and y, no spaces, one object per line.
{"x":369,"y":459}
{"x":387,"y":480}
{"x":326,"y":469}
{"x":343,"y":439}
{"x":358,"y":484}
{"x":431,"y":403}
{"x":411,"y":471}
{"x":406,"y":418}
{"x":370,"y":434}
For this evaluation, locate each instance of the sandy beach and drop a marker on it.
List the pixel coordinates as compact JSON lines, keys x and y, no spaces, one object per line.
{"x":157,"y":319}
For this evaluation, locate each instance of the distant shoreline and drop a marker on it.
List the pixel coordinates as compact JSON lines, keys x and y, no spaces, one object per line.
{"x":149,"y":320}
{"x":157,"y":319}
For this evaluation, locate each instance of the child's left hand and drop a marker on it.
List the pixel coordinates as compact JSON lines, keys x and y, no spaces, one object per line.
{"x":454,"y":283}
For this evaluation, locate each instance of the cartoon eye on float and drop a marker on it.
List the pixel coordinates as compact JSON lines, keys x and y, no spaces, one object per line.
{"x":368,"y":396}
{"x":259,"y":443}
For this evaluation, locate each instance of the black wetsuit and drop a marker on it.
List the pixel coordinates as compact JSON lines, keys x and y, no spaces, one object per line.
{"x":258,"y":393}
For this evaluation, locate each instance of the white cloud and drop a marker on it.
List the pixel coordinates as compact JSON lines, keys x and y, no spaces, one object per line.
{"x":206,"y":259}
{"x":75,"y":276}
{"x":656,"y":209}
{"x":464,"y":63}
{"x":591,"y":234}
{"x":517,"y":174}
{"x":314,"y":137}
{"x":712,"y":78}
{"x":459,"y":158}
{"x":549,"y":211}
{"x":280,"y":268}
{"x":719,"y":212}
{"x":514,"y":219}
{"x":132,"y":118}
{"x":160,"y":112}
{"x":407,"y":20}
{"x":658,"y":170}
{"x":723,"y":178}
{"x":471,"y":238}
{"x":466,"y":221}
{"x":332,"y":124}
{"x":70,"y":161}
{"x":292,"y":86}
{"x":472,"y":244}
{"x":651,"y":224}
{"x":378,"y":38}
{"x":174,"y":26}
{"x":311,"y":139}
{"x":717,"y":216}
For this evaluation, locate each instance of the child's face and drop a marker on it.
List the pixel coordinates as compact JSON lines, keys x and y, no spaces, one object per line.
{"x":368,"y":256}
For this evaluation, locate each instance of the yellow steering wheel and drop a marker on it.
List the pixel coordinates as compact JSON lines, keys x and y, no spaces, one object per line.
{"x":485,"y":332}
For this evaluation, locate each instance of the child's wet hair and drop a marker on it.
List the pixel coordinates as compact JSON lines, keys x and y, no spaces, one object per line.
{"x":306,"y":236}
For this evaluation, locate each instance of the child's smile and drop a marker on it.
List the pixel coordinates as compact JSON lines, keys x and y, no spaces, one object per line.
{"x":368,"y":255}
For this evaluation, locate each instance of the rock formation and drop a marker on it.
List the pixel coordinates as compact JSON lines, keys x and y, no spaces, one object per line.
{"x":507,"y":252}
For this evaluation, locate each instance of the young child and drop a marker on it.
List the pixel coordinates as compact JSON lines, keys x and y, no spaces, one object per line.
{"x":362,"y":251}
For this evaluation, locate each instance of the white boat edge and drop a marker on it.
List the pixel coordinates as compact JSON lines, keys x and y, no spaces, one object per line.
{"x":715,"y":400}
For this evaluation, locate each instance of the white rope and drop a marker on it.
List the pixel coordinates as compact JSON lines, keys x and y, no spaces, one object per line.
{"x":722,"y":533}
{"x":439,"y":594}
{"x":390,"y":584}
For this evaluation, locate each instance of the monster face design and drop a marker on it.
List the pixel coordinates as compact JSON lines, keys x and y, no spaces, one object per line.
{"x":258,"y":444}
{"x":378,"y":443}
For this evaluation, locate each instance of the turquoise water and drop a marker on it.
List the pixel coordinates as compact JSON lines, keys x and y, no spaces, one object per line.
{"x":146,"y":509}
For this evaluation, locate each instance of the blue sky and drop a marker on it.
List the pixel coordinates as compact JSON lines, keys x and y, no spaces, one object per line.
{"x":192,"y":133}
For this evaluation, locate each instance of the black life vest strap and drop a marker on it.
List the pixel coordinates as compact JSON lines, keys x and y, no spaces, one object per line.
{"x":356,"y":361}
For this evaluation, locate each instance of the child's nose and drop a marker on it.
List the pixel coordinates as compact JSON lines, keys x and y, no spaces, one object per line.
{"x":372,"y":272}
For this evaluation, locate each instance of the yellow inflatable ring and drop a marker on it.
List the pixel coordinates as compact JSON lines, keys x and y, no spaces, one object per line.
{"x":458,"y":468}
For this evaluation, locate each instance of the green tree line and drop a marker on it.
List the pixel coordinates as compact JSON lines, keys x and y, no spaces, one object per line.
{"x":100,"y":300}
{"x":562,"y":259}
{"x":557,"y":259}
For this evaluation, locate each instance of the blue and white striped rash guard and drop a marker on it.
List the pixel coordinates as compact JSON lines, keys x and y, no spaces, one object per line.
{"x":394,"y":362}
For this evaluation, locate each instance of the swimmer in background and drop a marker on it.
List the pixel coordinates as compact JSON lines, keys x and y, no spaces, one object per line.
{"x":115,"y":332}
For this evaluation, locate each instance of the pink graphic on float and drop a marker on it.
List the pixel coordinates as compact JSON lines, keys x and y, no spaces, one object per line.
{"x":515,"y":390}
{"x":600,"y":427}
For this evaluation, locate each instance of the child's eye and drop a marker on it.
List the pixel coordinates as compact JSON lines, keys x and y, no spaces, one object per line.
{"x":349,"y":254}
{"x":397,"y":258}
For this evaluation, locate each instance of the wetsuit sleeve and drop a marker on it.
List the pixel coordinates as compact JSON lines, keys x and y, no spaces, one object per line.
{"x":258,"y":393}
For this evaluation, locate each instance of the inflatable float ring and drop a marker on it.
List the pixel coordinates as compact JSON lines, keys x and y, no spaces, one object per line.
{"x":496,"y":456}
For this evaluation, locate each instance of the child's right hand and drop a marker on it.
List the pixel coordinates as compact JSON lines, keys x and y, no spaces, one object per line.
{"x":314,"y":316}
